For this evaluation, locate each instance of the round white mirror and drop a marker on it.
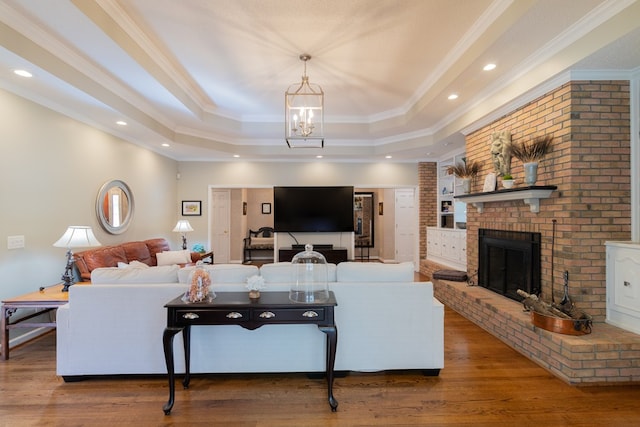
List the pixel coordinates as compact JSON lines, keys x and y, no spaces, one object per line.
{"x":114,"y":206}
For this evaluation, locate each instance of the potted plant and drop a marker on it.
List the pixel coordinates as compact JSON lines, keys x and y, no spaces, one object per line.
{"x":530,"y":153}
{"x":466,"y":171}
{"x":507,"y":180}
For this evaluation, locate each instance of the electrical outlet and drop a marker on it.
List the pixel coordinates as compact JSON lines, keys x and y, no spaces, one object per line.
{"x":15,"y":242}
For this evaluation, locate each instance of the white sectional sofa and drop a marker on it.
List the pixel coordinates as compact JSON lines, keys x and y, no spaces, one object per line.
{"x":385,"y":321}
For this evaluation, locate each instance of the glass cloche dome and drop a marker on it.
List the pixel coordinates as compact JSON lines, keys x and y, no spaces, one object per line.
{"x":311,"y":277}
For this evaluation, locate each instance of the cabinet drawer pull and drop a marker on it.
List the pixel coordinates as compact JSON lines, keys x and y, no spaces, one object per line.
{"x":309,"y":314}
{"x":267,"y":315}
{"x":234,"y":315}
{"x":190,"y":316}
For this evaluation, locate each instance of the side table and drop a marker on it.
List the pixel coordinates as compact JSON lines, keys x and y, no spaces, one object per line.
{"x":47,"y":299}
{"x":235,"y":308}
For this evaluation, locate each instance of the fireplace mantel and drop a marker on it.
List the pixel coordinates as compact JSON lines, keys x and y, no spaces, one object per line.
{"x":530,"y":195}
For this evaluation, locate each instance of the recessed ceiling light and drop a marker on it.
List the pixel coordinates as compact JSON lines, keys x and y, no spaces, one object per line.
{"x":121,"y":123}
{"x":166,"y":145}
{"x":236,"y":155}
{"x":452,"y":96}
{"x":319,"y":156}
{"x":388,"y":157}
{"x":489,"y":67}
{"x":23,"y":73}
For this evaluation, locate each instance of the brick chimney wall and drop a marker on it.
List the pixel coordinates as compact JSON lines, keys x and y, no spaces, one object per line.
{"x":428,"y":177}
{"x":590,"y":164}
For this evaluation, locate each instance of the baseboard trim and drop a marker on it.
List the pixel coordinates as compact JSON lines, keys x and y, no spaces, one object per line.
{"x":26,"y":337}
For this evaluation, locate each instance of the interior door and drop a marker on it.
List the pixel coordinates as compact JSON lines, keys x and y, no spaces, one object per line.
{"x":405,"y":216}
{"x":220,"y":225}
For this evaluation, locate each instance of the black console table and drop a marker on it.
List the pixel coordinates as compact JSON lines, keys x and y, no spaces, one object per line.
{"x":334,"y":255}
{"x":235,"y":308}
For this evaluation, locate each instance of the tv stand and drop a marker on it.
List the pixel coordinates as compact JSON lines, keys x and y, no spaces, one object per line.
{"x":301,"y":247}
{"x":332,"y":255}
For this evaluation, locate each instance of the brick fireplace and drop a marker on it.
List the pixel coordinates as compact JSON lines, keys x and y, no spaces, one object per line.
{"x":590,"y":165}
{"x":509,"y":261}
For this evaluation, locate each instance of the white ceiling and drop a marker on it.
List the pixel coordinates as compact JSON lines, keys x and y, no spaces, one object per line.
{"x":208,"y":77}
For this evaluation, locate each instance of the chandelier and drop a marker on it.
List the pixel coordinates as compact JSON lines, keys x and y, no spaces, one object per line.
{"x":304,"y":108}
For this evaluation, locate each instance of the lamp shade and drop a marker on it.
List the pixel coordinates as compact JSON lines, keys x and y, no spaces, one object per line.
{"x":182,"y":226}
{"x":77,"y":236}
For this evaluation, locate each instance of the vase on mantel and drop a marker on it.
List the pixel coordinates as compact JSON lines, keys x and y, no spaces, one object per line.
{"x":530,"y":173}
{"x":466,"y":185}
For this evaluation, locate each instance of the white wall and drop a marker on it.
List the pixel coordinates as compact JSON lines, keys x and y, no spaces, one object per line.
{"x":51,"y":169}
{"x":196,"y":177}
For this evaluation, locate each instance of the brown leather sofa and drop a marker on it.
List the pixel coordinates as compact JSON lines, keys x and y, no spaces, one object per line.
{"x":110,"y":256}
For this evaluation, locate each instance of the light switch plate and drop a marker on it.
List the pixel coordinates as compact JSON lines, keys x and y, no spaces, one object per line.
{"x":15,"y":242}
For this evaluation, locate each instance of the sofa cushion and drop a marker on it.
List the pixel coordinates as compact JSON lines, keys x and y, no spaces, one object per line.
{"x":222,"y":273}
{"x":155,"y":246}
{"x":286,"y":272}
{"x":161,"y":274}
{"x":105,"y":256}
{"x":137,"y":251}
{"x":375,"y":272}
{"x":174,"y":257}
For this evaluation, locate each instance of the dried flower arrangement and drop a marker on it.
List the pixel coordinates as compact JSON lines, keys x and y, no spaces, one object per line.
{"x":200,"y":286}
{"x":532,"y":151}
{"x":466,"y":169}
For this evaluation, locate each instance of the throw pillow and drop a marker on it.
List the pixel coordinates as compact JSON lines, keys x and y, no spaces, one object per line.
{"x":173,"y":257}
{"x":132,"y":264}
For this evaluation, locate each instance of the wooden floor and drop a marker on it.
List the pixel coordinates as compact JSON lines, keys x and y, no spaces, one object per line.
{"x":484,"y":383}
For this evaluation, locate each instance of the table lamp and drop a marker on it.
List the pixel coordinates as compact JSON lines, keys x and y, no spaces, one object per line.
{"x":76,"y":236}
{"x":183,"y":227}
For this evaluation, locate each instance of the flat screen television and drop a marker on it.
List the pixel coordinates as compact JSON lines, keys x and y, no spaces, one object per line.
{"x":313,"y":209}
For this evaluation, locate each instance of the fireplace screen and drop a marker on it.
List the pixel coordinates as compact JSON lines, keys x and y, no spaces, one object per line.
{"x":508,"y":261}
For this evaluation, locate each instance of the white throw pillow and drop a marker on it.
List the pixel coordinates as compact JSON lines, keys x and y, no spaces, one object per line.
{"x":174,"y":257}
{"x":132,"y":264}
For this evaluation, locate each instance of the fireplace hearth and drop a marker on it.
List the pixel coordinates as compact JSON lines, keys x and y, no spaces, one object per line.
{"x":508,"y":261}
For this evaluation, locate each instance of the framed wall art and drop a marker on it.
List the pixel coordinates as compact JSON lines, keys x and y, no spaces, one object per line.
{"x":191,"y":207}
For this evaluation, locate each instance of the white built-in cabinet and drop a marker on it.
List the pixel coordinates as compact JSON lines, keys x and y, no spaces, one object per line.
{"x":451,"y":212}
{"x":447,"y":243}
{"x":623,"y":285}
{"x":447,"y":247}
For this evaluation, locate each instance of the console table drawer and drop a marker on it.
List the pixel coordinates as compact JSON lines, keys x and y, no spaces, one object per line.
{"x":300,"y":315}
{"x":209,"y":317}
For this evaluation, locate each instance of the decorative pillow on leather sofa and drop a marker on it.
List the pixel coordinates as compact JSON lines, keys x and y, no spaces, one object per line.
{"x":174,"y":257}
{"x":133,"y":264}
{"x":110,"y":275}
